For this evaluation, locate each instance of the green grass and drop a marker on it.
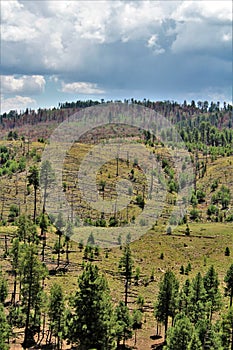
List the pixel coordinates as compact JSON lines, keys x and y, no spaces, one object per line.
{"x":205,"y":246}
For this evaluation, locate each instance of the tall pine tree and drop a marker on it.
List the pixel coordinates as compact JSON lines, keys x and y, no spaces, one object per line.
{"x":126,"y":267}
{"x":167,"y":299}
{"x":213,"y":295}
{"x":197,"y":299}
{"x":32,"y":273}
{"x":92,"y":320}
{"x":229,"y":283}
{"x":33,"y":179}
{"x":179,"y":336}
{"x":4,"y":330}
{"x":123,"y":323}
{"x":56,"y":313}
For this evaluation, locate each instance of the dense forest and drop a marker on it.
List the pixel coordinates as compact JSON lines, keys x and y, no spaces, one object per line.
{"x":171,"y":289}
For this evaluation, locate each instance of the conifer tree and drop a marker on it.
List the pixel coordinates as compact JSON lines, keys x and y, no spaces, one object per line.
{"x":59,"y":224}
{"x":32,"y":274}
{"x":167,"y":299}
{"x":68,"y":234}
{"x":195,"y":343}
{"x":179,"y":336}
{"x":137,"y":323}
{"x":212,"y":339}
{"x":43,"y":227}
{"x":14,"y":255}
{"x":4,"y":330}
{"x":197,"y":299}
{"x":213,"y":295}
{"x":184,"y":298}
{"x":126,"y":267}
{"x":27,"y":230}
{"x":227,"y":330}
{"x":56,"y":313}
{"x":3,"y":288}
{"x":124,"y":323}
{"x":92,"y":320}
{"x":229,"y":283}
{"x":33,"y":179}
{"x":47,"y":178}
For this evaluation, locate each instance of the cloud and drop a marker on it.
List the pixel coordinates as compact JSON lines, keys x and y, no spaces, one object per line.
{"x":203,"y":38}
{"x":215,"y":11}
{"x":74,"y":32}
{"x":154,"y":48}
{"x":152,"y":43}
{"x":81,"y":88}
{"x":22,"y":85}
{"x":16,"y":103}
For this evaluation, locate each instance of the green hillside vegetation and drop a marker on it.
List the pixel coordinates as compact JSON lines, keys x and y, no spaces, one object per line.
{"x":174,"y":282}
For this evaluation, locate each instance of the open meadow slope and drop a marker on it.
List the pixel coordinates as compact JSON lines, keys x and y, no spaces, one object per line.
{"x":201,"y":239}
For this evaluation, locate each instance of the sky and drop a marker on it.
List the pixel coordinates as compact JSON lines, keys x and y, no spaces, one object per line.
{"x":57,"y":51}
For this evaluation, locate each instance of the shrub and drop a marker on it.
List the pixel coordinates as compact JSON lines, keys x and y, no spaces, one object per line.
{"x":194,"y":214}
{"x":14,"y":212}
{"x":227,"y":251}
{"x":200,"y":196}
{"x":182,"y":269}
{"x":140,"y":201}
{"x":229,"y":218}
{"x":161,"y":256}
{"x":211,"y":210}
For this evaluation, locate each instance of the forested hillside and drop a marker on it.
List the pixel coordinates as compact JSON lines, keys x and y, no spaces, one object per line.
{"x":170,"y":289}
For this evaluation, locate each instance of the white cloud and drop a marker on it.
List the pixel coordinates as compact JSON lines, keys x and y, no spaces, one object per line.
{"x":16,"y":103}
{"x":70,"y":31}
{"x":227,"y":36}
{"x":81,"y":88}
{"x":33,"y":84}
{"x":199,"y":10}
{"x":17,"y":23}
{"x":153,"y":44}
{"x":199,"y":38}
{"x":203,"y":26}
{"x":120,"y":45}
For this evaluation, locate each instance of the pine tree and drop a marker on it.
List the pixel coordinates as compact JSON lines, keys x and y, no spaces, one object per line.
{"x":184,"y":297}
{"x":27,"y":230}
{"x":43,"y":226}
{"x":59,"y":224}
{"x":197,"y":299}
{"x":126,"y":267}
{"x":124,"y":323}
{"x":179,"y":336}
{"x":212,"y":340}
{"x":229,"y":283}
{"x":195,"y":343}
{"x":167,"y":299}
{"x":56,"y":313}
{"x":69,"y":233}
{"x":47,"y":178}
{"x":137,"y":323}
{"x":91,"y":324}
{"x":33,"y":179}
{"x":227,"y":330}
{"x":32,"y":273}
{"x":14,"y":255}
{"x":211,"y":285}
{"x":3,"y":288}
{"x":4,"y":330}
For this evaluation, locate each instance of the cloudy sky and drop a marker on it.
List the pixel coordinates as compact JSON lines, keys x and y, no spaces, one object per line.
{"x":56,"y":51}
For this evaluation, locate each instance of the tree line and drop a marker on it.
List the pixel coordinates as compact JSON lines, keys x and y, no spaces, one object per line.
{"x":193,"y":315}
